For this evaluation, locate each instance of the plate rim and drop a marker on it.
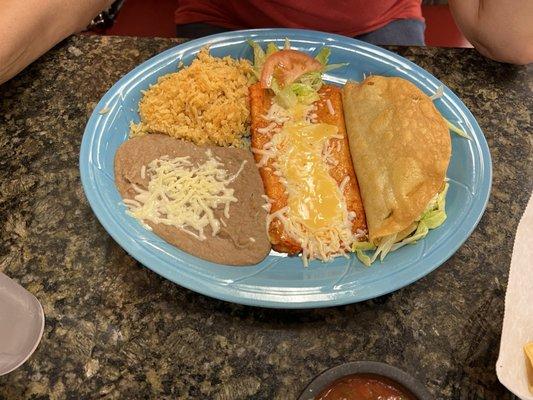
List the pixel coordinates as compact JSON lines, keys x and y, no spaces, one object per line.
{"x":227,"y":293}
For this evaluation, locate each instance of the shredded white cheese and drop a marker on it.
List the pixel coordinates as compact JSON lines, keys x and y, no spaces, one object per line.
{"x":276,"y":114}
{"x":330,"y":107}
{"x":184,"y":195}
{"x":143,"y":172}
{"x":268,"y":128}
{"x":330,"y":148}
{"x":343,"y":184}
{"x":324,"y":245}
{"x":438,"y":93}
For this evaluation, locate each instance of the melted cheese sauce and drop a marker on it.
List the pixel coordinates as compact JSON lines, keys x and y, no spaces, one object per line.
{"x":314,"y":197}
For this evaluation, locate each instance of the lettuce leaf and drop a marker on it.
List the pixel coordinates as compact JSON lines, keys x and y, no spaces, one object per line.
{"x":323,"y":55}
{"x":323,"y":58}
{"x":456,"y":130}
{"x":433,"y":216}
{"x":285,"y":97}
{"x":384,"y":247}
{"x":434,"y":219}
{"x":259,"y":57}
{"x":420,"y":233}
{"x":360,"y":248}
{"x":437,"y":95}
{"x":271,"y":48}
{"x":363,"y":246}
{"x":363,"y":257}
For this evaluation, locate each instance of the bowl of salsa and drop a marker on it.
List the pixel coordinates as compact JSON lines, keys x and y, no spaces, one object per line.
{"x":365,"y":380}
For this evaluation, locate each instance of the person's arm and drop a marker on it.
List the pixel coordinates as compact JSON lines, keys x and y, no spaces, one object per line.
{"x":498,"y":29}
{"x":29,"y":28}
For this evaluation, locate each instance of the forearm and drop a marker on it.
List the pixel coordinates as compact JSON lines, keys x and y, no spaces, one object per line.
{"x":499,"y":29}
{"x":31,"y":27}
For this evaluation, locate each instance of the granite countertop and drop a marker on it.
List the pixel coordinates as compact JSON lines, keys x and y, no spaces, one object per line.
{"x":116,"y":330}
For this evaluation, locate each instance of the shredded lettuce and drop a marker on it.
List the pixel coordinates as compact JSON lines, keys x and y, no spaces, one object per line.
{"x":271,"y":48}
{"x":305,"y":89}
{"x":363,"y":246}
{"x":437,"y":95}
{"x":323,"y":58}
{"x":312,"y":79}
{"x":434,"y":219}
{"x":441,"y":198}
{"x":259,"y":57}
{"x":288,"y":96}
{"x":305,"y":93}
{"x":456,"y":130}
{"x":359,"y":248}
{"x":323,"y":55}
{"x":285,"y":97}
{"x":363,"y":257}
{"x":433,"y":216}
{"x":331,"y":67}
{"x":420,"y":233}
{"x":384,"y":247}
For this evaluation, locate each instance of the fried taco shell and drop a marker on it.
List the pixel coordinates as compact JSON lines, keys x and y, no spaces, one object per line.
{"x":400,"y":147}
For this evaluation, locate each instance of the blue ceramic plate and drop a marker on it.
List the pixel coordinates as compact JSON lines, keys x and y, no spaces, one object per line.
{"x":283,"y":282}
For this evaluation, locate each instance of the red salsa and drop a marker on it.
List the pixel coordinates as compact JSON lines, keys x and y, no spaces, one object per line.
{"x":365,"y":387}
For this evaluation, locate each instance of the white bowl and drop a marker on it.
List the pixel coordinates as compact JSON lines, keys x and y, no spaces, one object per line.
{"x":21,"y":324}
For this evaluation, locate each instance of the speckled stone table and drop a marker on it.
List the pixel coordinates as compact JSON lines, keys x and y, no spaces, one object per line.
{"x":116,"y":330}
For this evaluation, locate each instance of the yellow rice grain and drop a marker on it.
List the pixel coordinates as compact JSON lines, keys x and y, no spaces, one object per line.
{"x":206,"y":102}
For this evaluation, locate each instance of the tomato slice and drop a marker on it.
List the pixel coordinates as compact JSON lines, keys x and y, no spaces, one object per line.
{"x":287,"y":66}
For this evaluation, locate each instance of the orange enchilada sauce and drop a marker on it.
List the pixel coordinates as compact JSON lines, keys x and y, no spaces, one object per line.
{"x":365,"y":387}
